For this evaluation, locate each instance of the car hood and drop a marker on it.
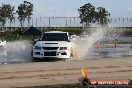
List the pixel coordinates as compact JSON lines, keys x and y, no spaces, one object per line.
{"x":52,"y":43}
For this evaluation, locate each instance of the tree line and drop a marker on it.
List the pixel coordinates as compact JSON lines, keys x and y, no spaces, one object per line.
{"x":88,"y":14}
{"x":24,"y":11}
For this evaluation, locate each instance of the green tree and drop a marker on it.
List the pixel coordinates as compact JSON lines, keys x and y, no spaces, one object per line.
{"x":103,"y":16}
{"x":6,"y":12}
{"x":87,"y":14}
{"x":11,"y":13}
{"x":24,"y":12}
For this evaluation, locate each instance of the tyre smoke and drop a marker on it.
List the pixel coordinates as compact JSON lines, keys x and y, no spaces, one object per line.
{"x":84,"y":42}
{"x":17,"y":51}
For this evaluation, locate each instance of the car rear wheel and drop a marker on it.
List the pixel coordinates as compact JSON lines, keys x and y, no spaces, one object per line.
{"x":32,"y":53}
{"x":71,"y":55}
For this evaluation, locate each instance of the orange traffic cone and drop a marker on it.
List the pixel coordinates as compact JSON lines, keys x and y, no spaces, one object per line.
{"x":131,"y":46}
{"x":98,"y":45}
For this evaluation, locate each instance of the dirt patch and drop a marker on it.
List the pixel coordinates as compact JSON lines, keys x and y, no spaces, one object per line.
{"x":72,"y":86}
{"x":62,"y":74}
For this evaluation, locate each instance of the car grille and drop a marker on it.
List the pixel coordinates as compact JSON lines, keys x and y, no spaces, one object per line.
{"x":50,"y":48}
{"x":49,"y":53}
{"x":51,"y":43}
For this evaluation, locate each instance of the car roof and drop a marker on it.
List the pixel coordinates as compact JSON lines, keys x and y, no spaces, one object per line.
{"x":55,"y":32}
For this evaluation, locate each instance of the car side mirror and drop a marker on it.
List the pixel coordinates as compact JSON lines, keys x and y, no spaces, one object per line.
{"x":72,"y":36}
{"x":36,"y":40}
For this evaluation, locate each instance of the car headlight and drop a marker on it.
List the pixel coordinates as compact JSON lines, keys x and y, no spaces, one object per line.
{"x":63,"y":48}
{"x":37,"y":47}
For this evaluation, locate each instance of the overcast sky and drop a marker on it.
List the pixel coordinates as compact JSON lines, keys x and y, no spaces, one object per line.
{"x":69,"y":8}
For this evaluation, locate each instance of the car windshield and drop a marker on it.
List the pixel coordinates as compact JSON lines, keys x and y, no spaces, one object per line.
{"x":55,"y":37}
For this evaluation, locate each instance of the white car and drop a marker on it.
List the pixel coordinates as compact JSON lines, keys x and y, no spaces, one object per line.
{"x":2,"y":43}
{"x":53,"y":44}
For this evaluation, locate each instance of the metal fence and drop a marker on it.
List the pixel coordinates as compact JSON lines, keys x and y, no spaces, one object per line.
{"x":66,"y":22}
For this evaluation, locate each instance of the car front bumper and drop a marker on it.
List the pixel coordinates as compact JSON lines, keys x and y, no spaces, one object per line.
{"x":51,"y":54}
